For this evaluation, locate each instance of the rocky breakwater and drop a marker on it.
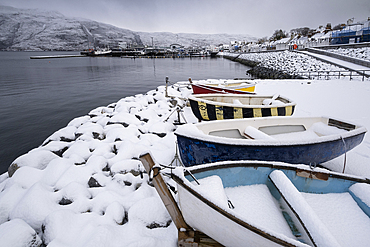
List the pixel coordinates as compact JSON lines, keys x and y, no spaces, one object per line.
{"x":280,"y":64}
{"x":259,"y":70}
{"x":85,"y":186}
{"x":262,"y":72}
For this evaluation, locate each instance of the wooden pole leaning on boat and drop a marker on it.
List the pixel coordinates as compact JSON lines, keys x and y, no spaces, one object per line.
{"x":185,"y":232}
{"x":167,"y":80}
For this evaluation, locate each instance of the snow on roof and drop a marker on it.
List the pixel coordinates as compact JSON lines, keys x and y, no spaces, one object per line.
{"x":283,"y":41}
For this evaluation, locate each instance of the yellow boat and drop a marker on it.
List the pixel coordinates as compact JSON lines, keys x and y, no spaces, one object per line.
{"x":231,"y":106}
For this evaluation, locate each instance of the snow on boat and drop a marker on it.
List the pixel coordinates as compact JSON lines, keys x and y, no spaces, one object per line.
{"x":275,"y":204}
{"x":223,"y":86}
{"x":296,"y":140}
{"x":231,"y":106}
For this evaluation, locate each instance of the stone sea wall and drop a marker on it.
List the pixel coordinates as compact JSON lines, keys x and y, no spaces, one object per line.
{"x":258,"y":70}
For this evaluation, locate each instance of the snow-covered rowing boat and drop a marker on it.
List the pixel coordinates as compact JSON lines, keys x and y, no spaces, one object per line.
{"x":231,"y":106}
{"x":297,"y":140}
{"x":223,"y":86}
{"x":275,"y":204}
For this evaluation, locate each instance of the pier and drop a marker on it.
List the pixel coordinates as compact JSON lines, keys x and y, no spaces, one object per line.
{"x":56,"y":56}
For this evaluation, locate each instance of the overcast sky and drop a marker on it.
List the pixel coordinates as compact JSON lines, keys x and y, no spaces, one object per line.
{"x":258,"y":18}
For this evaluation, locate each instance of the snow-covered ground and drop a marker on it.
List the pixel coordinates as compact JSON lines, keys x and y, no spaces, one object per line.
{"x":298,"y":63}
{"x":290,"y":62}
{"x":84,"y":186}
{"x":361,"y":52}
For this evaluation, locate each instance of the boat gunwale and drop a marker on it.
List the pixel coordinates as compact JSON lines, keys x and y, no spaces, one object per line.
{"x":221,"y":89}
{"x":232,"y":217}
{"x":255,"y":164}
{"x":275,"y":165}
{"x":225,"y":81}
{"x":198,"y":98}
{"x":274,"y":143}
{"x":215,"y":84}
{"x":359,"y":130}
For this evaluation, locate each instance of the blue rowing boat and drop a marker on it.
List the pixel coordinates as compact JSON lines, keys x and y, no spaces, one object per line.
{"x":295,"y":140}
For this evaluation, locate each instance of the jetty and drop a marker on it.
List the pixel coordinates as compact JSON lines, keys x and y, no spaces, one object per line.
{"x":56,"y":56}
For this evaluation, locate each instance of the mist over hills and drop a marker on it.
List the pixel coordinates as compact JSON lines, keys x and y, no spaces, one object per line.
{"x":40,"y":30}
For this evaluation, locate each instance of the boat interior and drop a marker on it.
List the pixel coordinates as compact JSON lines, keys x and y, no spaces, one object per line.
{"x":244,"y":99}
{"x":296,"y":203}
{"x":274,"y":130}
{"x":231,"y":83}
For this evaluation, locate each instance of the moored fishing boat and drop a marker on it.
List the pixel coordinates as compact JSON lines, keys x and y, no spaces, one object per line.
{"x":231,"y":106}
{"x":223,"y":86}
{"x":275,"y":204}
{"x":297,"y":140}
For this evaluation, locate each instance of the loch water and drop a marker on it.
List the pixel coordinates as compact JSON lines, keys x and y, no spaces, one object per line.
{"x":41,"y":96}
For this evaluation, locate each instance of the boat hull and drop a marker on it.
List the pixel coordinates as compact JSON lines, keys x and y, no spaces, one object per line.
{"x":214,"y":111}
{"x":195,"y":151}
{"x":204,"y":89}
{"x":295,"y":140}
{"x":231,"y":233}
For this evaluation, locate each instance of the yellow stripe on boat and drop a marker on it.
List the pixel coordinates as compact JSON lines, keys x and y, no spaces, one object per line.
{"x":247,"y":89}
{"x":288,"y":110}
{"x":203,"y":110}
{"x":238,"y":112}
{"x":219,"y":112}
{"x":274,"y":111}
{"x":257,"y":112}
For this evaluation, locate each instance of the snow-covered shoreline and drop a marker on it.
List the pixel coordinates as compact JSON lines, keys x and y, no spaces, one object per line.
{"x":360,"y":53}
{"x":298,"y":63}
{"x":85,"y":185}
{"x":88,"y":173}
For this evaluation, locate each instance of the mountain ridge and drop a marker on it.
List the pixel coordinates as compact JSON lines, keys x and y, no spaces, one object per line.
{"x":43,"y":30}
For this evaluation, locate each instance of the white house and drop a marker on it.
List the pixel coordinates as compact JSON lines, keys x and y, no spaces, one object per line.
{"x":282,"y":44}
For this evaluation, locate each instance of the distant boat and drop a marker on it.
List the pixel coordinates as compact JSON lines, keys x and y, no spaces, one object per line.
{"x":97,"y":52}
{"x":223,"y":86}
{"x":230,"y":106}
{"x":214,"y":53}
{"x":102,"y":52}
{"x":296,"y":140}
{"x":253,"y":203}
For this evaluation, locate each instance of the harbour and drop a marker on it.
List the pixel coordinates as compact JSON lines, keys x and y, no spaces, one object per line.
{"x":190,"y":129}
{"x":43,"y":95}
{"x":105,"y":142}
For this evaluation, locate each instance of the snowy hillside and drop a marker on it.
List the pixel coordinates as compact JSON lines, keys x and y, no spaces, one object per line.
{"x":23,"y":29}
{"x":191,"y":39}
{"x":33,"y":29}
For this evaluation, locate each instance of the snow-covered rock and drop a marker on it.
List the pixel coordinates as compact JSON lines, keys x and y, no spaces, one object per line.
{"x":360,"y":52}
{"x":85,"y":184}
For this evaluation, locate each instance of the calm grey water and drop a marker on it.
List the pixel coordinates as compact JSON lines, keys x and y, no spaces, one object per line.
{"x":40,"y":96}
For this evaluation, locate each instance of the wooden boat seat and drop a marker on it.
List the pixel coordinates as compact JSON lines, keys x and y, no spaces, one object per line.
{"x":361,"y":194}
{"x":253,"y":133}
{"x":229,"y":133}
{"x":212,"y":188}
{"x":282,"y":129}
{"x":322,"y":129}
{"x":316,"y":231}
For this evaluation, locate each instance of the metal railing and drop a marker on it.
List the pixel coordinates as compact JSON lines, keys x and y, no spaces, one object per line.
{"x":326,"y":75}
